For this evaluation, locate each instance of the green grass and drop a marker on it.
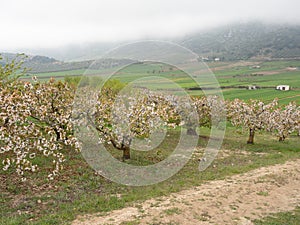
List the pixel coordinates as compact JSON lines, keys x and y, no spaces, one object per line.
{"x":290,"y":218}
{"x":79,"y":191}
{"x":62,"y":74}
{"x":266,"y":95}
{"x":263,"y":193}
{"x":288,"y":78}
{"x":172,"y":211}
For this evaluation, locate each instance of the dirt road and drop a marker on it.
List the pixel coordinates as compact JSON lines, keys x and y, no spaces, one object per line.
{"x":235,"y":200}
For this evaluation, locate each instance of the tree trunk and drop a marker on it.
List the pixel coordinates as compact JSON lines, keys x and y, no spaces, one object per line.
{"x":191,"y":131}
{"x":126,"y":153}
{"x":251,"y":136}
{"x":124,"y":148}
{"x":282,"y":138}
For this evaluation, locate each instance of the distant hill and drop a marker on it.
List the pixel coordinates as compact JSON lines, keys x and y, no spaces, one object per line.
{"x":40,"y":64}
{"x":245,"y":41}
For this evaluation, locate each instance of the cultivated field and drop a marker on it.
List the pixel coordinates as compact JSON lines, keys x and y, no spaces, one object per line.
{"x":230,"y":76}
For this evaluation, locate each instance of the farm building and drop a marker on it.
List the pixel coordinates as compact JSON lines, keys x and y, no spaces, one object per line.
{"x":252,"y":87}
{"x":283,"y":87}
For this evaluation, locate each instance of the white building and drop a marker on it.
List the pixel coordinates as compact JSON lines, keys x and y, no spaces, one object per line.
{"x":252,"y":87}
{"x":283,"y":87}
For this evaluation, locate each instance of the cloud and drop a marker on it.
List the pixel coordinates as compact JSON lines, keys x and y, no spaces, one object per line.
{"x":50,"y":23}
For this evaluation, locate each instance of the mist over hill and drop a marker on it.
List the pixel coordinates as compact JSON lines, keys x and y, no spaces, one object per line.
{"x":232,"y":42}
{"x":228,"y":43}
{"x":245,"y":41}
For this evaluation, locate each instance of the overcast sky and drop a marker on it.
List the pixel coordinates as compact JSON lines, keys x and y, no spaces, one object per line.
{"x":54,"y":23}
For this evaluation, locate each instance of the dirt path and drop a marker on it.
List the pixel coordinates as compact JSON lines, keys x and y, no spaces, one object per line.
{"x":232,"y":65}
{"x":235,"y":200}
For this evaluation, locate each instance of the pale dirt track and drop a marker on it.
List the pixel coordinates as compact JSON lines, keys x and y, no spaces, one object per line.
{"x":235,"y":200}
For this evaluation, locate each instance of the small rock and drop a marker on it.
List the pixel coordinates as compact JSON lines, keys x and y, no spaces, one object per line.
{"x":244,"y":221}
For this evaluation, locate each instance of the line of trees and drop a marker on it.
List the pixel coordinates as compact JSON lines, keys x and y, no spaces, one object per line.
{"x":36,"y":118}
{"x":256,"y":115}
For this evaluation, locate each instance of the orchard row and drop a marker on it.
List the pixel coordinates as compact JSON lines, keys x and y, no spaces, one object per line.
{"x":39,"y":120}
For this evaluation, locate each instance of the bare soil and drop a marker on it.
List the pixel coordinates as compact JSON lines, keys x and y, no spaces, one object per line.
{"x":232,"y":65}
{"x":235,"y":200}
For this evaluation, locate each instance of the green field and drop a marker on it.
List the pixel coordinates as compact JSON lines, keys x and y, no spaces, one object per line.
{"x":237,"y":76}
{"x":229,"y":74}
